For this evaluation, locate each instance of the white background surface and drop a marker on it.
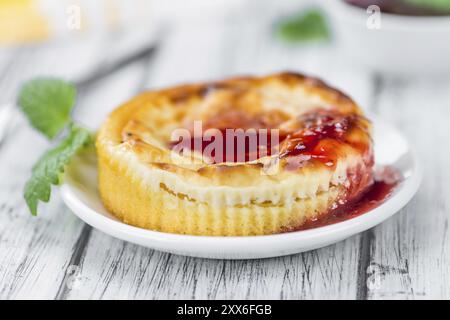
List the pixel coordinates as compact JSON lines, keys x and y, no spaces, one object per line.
{"x":55,"y":255}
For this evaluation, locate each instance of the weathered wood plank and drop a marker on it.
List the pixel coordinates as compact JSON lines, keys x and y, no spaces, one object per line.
{"x":410,"y":254}
{"x":113,"y":269}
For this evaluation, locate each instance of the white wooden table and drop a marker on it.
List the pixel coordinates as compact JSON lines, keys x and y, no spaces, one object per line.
{"x":55,"y":255}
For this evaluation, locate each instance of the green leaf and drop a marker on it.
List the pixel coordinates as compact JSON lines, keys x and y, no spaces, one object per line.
{"x":47,"y":103}
{"x":305,"y":26}
{"x":50,"y":167}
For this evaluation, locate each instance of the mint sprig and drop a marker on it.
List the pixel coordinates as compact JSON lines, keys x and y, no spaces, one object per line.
{"x":47,"y":104}
{"x":51,"y":165}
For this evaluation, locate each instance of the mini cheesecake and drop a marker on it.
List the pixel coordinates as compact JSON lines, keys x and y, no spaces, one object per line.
{"x":165,"y":161}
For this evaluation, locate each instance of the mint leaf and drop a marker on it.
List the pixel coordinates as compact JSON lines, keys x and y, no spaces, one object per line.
{"x":47,"y":103}
{"x":305,"y":26}
{"x":51,"y":165}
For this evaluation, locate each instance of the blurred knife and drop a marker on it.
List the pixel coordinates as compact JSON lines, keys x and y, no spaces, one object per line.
{"x":112,"y":65}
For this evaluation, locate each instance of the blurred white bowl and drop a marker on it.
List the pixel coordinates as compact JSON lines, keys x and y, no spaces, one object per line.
{"x":402,"y":44}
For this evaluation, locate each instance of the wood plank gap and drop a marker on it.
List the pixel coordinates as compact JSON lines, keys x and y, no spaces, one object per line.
{"x":106,"y":71}
{"x":75,"y":260}
{"x":363,"y":264}
{"x":367,"y":237}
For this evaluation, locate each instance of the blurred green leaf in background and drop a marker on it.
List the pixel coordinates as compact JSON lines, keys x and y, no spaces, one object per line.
{"x":307,"y":25}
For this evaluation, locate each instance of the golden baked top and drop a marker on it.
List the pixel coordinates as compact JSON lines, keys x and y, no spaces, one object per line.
{"x":320,"y":136}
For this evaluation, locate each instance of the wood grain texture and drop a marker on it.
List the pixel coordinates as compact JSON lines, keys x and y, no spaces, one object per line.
{"x":57,"y":256}
{"x":113,"y":269}
{"x":410,"y":253}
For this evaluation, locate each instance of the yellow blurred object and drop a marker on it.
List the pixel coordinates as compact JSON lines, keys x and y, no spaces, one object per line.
{"x":21,"y":21}
{"x":30,"y":21}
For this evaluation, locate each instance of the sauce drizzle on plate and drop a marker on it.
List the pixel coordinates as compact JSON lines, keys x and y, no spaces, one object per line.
{"x":385,"y":183}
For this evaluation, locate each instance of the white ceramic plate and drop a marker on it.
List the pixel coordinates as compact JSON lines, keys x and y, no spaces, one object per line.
{"x":391,"y":148}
